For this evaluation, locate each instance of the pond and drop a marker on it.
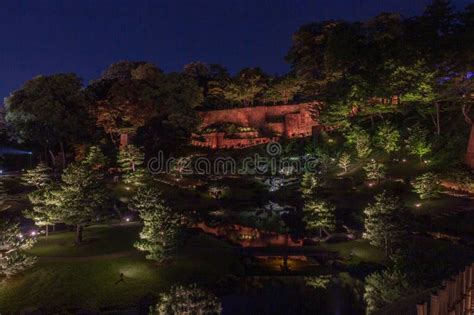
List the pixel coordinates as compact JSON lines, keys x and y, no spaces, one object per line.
{"x":338,"y":295}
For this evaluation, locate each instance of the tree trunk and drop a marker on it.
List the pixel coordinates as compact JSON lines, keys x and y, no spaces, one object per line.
{"x":54,"y":227}
{"x":51,"y":154}
{"x":79,"y":229}
{"x":63,"y":154}
{"x":320,"y":232}
{"x":436,"y":119}
{"x":438,"y":125}
{"x":47,"y":230}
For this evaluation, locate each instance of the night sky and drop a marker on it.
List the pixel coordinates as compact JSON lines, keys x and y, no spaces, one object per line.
{"x":45,"y":37}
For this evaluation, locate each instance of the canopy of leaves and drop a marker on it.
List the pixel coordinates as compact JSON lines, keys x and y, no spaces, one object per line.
{"x":13,"y":245}
{"x":427,"y":185}
{"x":187,"y":300}
{"x":161,"y":225}
{"x":319,"y":215}
{"x":385,"y":222}
{"x":48,"y":110}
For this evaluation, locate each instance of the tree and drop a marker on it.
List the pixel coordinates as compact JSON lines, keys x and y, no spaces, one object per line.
{"x":82,"y":194}
{"x":387,"y":138}
{"x":374,"y":170}
{"x":344,"y":161}
{"x":319,"y":214}
{"x":218,"y":192}
{"x":44,"y":211}
{"x":216,"y":86}
{"x":38,"y":177}
{"x":360,"y":139}
{"x":3,"y":195}
{"x":50,"y":110}
{"x":245,"y":87}
{"x":384,"y":288}
{"x":417,"y":142}
{"x":161,"y":225}
{"x":13,"y":245}
{"x":95,"y":159}
{"x":283,"y":89}
{"x":130,"y":159}
{"x":385,"y":224}
{"x":187,"y":300}
{"x":310,"y":183}
{"x":124,"y":98}
{"x":427,"y":185}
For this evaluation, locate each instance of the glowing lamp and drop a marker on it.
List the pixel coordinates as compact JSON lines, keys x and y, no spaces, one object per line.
{"x":418,"y":205}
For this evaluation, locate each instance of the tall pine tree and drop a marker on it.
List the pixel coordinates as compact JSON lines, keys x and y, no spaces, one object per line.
{"x":161,"y":225}
{"x":12,"y":250}
{"x":385,"y":222}
{"x":319,"y":215}
{"x":38,"y":176}
{"x":82,"y":194}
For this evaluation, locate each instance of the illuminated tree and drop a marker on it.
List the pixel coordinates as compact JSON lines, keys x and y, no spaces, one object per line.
{"x":344,"y":161}
{"x":417,"y":142}
{"x":130,"y":160}
{"x":13,"y":245}
{"x":38,"y":176}
{"x":384,"y":288}
{"x":360,"y":139}
{"x":181,"y":166}
{"x":374,"y":170}
{"x":124,"y":97}
{"x":283,"y":89}
{"x":187,"y":300}
{"x":218,"y":192}
{"x":427,"y":185}
{"x":44,"y":211}
{"x":82,"y":194}
{"x":245,"y":87}
{"x":3,"y":195}
{"x":387,"y":138}
{"x":319,"y":215}
{"x":310,"y":183}
{"x":384,"y":222}
{"x":161,"y":233}
{"x":95,"y":159}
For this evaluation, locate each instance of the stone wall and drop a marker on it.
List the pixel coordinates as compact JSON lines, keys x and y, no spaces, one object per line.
{"x":272,"y":122}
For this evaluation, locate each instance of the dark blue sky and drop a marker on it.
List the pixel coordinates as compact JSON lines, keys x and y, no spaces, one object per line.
{"x":45,"y":36}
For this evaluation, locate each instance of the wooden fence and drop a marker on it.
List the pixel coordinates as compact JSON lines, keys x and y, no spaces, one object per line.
{"x":455,"y":297}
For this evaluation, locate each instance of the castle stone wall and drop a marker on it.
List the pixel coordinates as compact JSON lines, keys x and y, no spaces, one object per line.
{"x":272,"y":122}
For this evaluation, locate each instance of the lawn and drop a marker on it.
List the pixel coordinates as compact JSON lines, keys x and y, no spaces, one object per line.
{"x":356,"y":251}
{"x":67,"y":277}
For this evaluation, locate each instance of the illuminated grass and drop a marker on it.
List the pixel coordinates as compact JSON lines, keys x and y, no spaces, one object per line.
{"x":68,"y":278}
